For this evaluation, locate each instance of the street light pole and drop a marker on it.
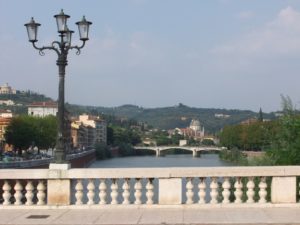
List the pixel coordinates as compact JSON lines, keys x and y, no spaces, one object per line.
{"x":62,"y":48}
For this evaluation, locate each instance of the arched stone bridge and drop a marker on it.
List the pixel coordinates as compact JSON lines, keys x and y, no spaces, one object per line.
{"x":194,"y":149}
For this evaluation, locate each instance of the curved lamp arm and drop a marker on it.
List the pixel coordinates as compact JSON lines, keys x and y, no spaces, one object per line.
{"x":41,"y":49}
{"x":78,"y":48}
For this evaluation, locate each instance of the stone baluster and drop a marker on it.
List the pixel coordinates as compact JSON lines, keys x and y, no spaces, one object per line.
{"x":79,"y":192}
{"x":189,"y":191}
{"x":202,"y":193}
{"x":214,"y":190}
{"x":226,"y":190}
{"x":250,"y":190}
{"x":91,"y":192}
{"x":6,"y":193}
{"x":29,"y":193}
{"x":18,"y":193}
{"x":138,"y":191}
{"x":102,"y":192}
{"x":149,"y":193}
{"x":126,"y":193}
{"x":238,"y":190}
{"x":114,"y":192}
{"x":41,"y":195}
{"x":262,"y":190}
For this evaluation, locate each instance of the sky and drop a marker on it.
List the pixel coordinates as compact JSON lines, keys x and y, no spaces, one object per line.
{"x":155,"y":53}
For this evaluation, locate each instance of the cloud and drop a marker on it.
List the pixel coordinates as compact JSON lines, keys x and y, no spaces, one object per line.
{"x":276,"y":38}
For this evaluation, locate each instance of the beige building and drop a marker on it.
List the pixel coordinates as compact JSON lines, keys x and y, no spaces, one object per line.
{"x":87,"y":131}
{"x":6,"y":89}
{"x":5,"y":114}
{"x":5,"y":119}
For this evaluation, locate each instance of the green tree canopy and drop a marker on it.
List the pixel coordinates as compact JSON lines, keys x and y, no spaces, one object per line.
{"x":25,"y":131}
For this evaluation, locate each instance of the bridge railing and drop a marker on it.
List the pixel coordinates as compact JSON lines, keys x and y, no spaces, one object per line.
{"x":149,"y":186}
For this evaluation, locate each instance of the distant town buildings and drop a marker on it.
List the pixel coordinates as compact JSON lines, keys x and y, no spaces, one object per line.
{"x":5,"y":118}
{"x":249,"y":121}
{"x":221,"y":115}
{"x":42,"y":109}
{"x":194,"y":131}
{"x":6,"y":90}
{"x":88,"y":130}
{"x":6,"y":113}
{"x":7,"y":102}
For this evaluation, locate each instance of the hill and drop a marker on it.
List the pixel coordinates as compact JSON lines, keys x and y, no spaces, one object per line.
{"x":176,"y":116}
{"x":163,"y":118}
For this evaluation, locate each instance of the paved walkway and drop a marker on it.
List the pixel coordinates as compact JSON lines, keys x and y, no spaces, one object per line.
{"x":147,"y":216}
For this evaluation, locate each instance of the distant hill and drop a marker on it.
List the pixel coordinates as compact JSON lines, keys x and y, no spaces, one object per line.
{"x":164,"y":118}
{"x":21,"y":100}
{"x":175,"y":116}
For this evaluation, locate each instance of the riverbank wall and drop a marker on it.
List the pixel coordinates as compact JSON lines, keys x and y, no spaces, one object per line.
{"x":77,"y":160}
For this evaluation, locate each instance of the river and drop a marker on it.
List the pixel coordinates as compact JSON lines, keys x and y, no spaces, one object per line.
{"x":183,"y":160}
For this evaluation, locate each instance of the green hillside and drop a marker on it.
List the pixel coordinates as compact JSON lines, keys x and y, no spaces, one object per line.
{"x":163,"y":118}
{"x":176,"y":116}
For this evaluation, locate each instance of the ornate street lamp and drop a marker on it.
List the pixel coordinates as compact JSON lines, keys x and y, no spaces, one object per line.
{"x":62,"y":48}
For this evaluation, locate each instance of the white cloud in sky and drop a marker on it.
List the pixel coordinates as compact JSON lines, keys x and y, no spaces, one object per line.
{"x":276,"y":38}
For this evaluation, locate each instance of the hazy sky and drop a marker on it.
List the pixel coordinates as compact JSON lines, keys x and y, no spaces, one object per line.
{"x":153,"y":53}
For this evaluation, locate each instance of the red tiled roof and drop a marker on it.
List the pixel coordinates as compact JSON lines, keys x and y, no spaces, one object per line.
{"x":5,"y":121}
{"x":5,"y":111}
{"x":43,"y":104}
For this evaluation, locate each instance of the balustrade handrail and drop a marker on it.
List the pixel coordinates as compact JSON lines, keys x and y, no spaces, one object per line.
{"x":179,"y":172}
{"x":173,"y":172}
{"x":212,"y":185}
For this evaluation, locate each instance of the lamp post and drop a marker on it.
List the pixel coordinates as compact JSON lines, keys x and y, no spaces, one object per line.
{"x":61,"y":48}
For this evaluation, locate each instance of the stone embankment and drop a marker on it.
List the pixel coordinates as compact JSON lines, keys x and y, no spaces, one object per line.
{"x":77,"y":160}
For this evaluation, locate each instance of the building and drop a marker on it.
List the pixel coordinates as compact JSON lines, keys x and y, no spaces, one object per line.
{"x":5,"y":113}
{"x":249,"y":121}
{"x":221,"y":115}
{"x":4,"y":122}
{"x":195,"y":130}
{"x":87,"y":131}
{"x":42,"y":109}
{"x":7,"y":102}
{"x":7,"y":90}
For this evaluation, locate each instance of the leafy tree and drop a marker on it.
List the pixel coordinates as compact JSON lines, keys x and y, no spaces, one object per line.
{"x":102,"y":151}
{"x":208,"y":142}
{"x":21,"y":133}
{"x":285,"y":148}
{"x":26,"y":131}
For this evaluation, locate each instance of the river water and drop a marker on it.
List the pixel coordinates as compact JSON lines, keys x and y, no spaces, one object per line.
{"x":183,"y":160}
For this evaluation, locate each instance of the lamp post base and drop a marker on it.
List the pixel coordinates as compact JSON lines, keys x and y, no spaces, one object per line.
{"x":59,"y":166}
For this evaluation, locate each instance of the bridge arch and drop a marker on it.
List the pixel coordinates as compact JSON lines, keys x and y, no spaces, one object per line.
{"x":194,"y":149}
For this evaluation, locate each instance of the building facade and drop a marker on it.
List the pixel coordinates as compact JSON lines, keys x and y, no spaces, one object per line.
{"x":42,"y":109}
{"x":194,"y":131}
{"x":87,"y":131}
{"x":7,"y":90}
{"x":5,"y":119}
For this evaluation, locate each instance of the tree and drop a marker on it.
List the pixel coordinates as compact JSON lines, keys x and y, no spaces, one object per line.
{"x":260,"y":116}
{"x":21,"y":133}
{"x":102,"y":151}
{"x":285,"y":149}
{"x":26,"y":131}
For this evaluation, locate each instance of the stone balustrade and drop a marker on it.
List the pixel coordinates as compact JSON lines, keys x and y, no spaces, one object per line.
{"x":62,"y":186}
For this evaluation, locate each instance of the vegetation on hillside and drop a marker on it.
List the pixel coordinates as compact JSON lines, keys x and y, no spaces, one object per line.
{"x":280,"y":139}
